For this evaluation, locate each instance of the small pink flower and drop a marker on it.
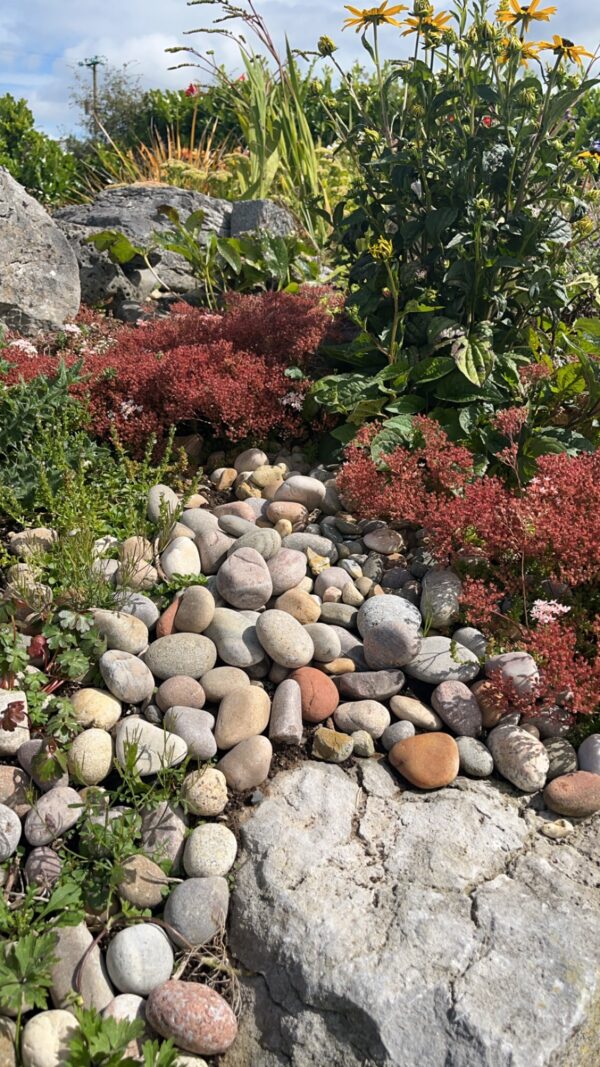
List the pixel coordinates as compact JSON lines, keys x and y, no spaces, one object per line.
{"x":192,"y":90}
{"x":547,"y":611}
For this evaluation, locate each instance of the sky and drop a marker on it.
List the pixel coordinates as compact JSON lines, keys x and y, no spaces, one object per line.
{"x":42,"y":41}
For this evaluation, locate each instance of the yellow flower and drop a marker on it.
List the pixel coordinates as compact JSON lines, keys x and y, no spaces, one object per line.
{"x":373,"y":16}
{"x":526,"y":50}
{"x":565,"y":49}
{"x":427,"y":23}
{"x":381,"y":249}
{"x":525,"y":14}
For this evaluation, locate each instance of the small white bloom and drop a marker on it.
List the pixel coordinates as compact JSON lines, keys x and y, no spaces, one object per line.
{"x":546,"y":611}
{"x":70,"y":327}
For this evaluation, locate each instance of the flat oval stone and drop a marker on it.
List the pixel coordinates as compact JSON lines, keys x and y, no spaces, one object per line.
{"x":300,"y":604}
{"x":122,"y":631}
{"x":180,"y":690}
{"x":235,"y":638}
{"x":127,"y":677}
{"x":195,"y":727}
{"x":384,"y":540}
{"x":213,"y":546}
{"x":196,"y":910}
{"x":299,"y":489}
{"x":46,"y":1038}
{"x":473,"y":639}
{"x":519,"y":757}
{"x":332,"y":578}
{"x":284,"y":639}
{"x":371,"y":685}
{"x":343,"y":615}
{"x":142,"y":607}
{"x":182,"y":653}
{"x":43,"y":868}
{"x":205,"y":791}
{"x":575,"y":795}
{"x":562,"y":756}
{"x":440,"y":597}
{"x":199,"y":520}
{"x":397,"y":731}
{"x":220,"y":681}
{"x":287,"y":510}
{"x":302,"y":542}
{"x":287,"y":569}
{"x":196,"y":1017}
{"x":244,"y":580}
{"x":195,"y":610}
{"x":162,"y":501}
{"x":407,"y":709}
{"x":588,"y":754}
{"x":367,"y":715}
{"x":475,"y":759}
{"x":441,"y":660}
{"x":94,"y":707}
{"x":210,"y":851}
{"x":155,"y":748}
{"x":52,"y":815}
{"x":143,"y":882}
{"x":250,"y":460}
{"x":517,"y":669}
{"x":10,"y":832}
{"x":243,"y":713}
{"x":90,"y":756}
{"x":391,"y":644}
{"x":163,"y":833}
{"x":266,"y":542}
{"x":428,"y":761}
{"x":458,"y":708}
{"x":248,"y":764}
{"x":180,"y":557}
{"x":319,"y":696}
{"x":327,"y":645}
{"x":139,"y":958}
{"x":79,"y":968}
{"x":379,"y":609}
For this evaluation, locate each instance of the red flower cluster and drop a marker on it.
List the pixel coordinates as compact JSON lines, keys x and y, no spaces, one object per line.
{"x":225,"y":370}
{"x":567,"y":678}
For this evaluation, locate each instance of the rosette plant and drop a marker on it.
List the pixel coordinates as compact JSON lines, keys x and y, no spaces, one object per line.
{"x":471,"y":192}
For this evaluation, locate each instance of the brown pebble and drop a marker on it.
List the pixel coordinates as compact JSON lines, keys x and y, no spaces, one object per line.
{"x":428,"y":761}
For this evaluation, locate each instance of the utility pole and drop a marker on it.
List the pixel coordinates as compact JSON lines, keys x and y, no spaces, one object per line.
{"x":92,"y":64}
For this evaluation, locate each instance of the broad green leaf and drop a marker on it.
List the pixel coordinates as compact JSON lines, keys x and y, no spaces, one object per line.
{"x":117,"y":245}
{"x":474,"y":358}
{"x":430,"y":370}
{"x":229,"y":253}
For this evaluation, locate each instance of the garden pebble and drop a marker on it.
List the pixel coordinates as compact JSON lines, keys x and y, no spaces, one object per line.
{"x":343,"y":615}
{"x":475,"y":759}
{"x":139,"y":958}
{"x":162,"y":500}
{"x":331,"y":745}
{"x":196,"y":1017}
{"x":155,"y":748}
{"x":266,"y":542}
{"x":90,"y":756}
{"x":562,"y":756}
{"x":428,"y":761}
{"x":196,"y":910}
{"x":518,"y":669}
{"x":11,"y":740}
{"x":163,"y":832}
{"x":408,"y":709}
{"x":52,"y":815}
{"x":305,"y":542}
{"x":318,"y":694}
{"x":588,"y":754}
{"x":439,"y":660}
{"x":440,"y":598}
{"x":210,"y":851}
{"x":472,"y":639}
{"x":220,"y":681}
{"x":285,"y":726}
{"x":142,"y":882}
{"x":362,"y":744}
{"x":196,"y":610}
{"x":377,"y":610}
{"x":458,"y":708}
{"x":250,"y":460}
{"x":575,"y":795}
{"x":287,"y":568}
{"x":391,"y":644}
{"x":14,"y":789}
{"x":205,"y":791}
{"x":284,"y":639}
{"x":371,"y":685}
{"x":180,"y":557}
{"x":299,"y":489}
{"x":367,"y":715}
{"x":247,"y":764}
{"x":73,"y":943}
{"x":195,"y":728}
{"x":141,"y":607}
{"x":244,"y":580}
{"x":327,"y":645}
{"x":180,"y":690}
{"x":243,"y":713}
{"x":519,"y":757}
{"x":28,"y":755}
{"x":126,"y":676}
{"x":213,"y":546}
{"x":46,"y":1037}
{"x":397,"y":731}
{"x":122,"y":631}
{"x":235,"y":638}
{"x":43,"y":867}
{"x":299,"y":604}
{"x":181,"y":653}
{"x":10,"y":832}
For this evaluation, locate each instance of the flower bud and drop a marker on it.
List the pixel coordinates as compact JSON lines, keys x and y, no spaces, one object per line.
{"x":325,"y":46}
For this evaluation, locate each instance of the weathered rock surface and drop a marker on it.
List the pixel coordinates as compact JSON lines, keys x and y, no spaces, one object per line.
{"x":39,"y":279}
{"x":393,"y":929}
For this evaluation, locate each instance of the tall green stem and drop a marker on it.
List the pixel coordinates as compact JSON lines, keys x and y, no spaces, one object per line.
{"x":383,"y":101}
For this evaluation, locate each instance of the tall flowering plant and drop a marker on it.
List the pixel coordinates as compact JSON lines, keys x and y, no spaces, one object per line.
{"x":471,"y":191}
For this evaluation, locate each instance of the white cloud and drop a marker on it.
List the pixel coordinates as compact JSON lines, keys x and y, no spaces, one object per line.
{"x":41,"y":41}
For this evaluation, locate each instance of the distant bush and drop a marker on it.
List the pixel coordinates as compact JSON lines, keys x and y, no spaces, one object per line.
{"x":33,"y":159}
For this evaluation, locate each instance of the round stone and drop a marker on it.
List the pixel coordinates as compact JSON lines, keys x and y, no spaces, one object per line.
{"x":235,"y":638}
{"x":327,"y":645}
{"x":331,"y":745}
{"x":516,"y":669}
{"x":441,"y":660}
{"x":300,"y":605}
{"x":440,"y":598}
{"x":43,"y":867}
{"x":379,"y":609}
{"x":300,"y":489}
{"x":163,"y":833}
{"x":213,"y":546}
{"x":52,"y":815}
{"x":397,"y":731}
{"x":575,"y":795}
{"x":519,"y":757}
{"x":90,"y":756}
{"x":163,"y":503}
{"x":220,"y":681}
{"x":562,"y":756}
{"x":95,"y":708}
{"x":122,"y":631}
{"x":14,"y":789}
{"x":371,"y":685}
{"x":196,"y":1017}
{"x":142,"y":607}
{"x":180,"y":557}
{"x":139,"y":958}
{"x":197,"y":910}
{"x":182,"y":653}
{"x":182,"y":691}
{"x":284,"y":639}
{"x":143,"y":882}
{"x":250,"y":460}
{"x":367,"y":715}
{"x":588,"y":754}
{"x":332,"y":578}
{"x":247,"y":765}
{"x":410,"y":710}
{"x":473,"y":639}
{"x":288,"y":511}
{"x":243,"y":713}
{"x":46,"y":1038}
{"x":196,"y":610}
{"x":319,"y":695}
{"x":266,"y":542}
{"x":362,"y":744}
{"x":154,"y":747}
{"x":343,"y":615}
{"x":428,"y":761}
{"x":127,"y":677}
{"x":384,"y":540}
{"x":210,"y":851}
{"x":205,"y":791}
{"x":244,"y":580}
{"x":312,"y":542}
{"x":287,"y":569}
{"x":391,"y":644}
{"x":475,"y":759}
{"x":10,"y":832}
{"x":195,"y":727}
{"x":457,"y":707}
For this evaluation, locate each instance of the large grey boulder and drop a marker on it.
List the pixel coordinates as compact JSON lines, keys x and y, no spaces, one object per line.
{"x":387,"y":929}
{"x":135,"y":210}
{"x":39,"y":279}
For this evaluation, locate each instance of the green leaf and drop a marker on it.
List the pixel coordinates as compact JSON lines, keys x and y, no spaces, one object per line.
{"x":117,"y":245}
{"x":229,"y":253}
{"x":474,"y":358}
{"x":429,"y":370}
{"x":344,"y":433}
{"x":394,"y":433}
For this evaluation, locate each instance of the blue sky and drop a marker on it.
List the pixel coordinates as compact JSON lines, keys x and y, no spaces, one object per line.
{"x":41,"y":41}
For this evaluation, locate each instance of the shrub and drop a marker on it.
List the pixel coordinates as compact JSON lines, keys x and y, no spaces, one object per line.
{"x":33,"y":159}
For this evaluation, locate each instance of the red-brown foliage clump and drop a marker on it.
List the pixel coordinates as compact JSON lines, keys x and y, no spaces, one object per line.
{"x":225,"y":370}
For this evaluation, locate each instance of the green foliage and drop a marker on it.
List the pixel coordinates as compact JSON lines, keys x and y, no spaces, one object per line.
{"x":101,"y":1042}
{"x":25,"y":972}
{"x":34,"y":915}
{"x":35,"y":160}
{"x":244,"y":264}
